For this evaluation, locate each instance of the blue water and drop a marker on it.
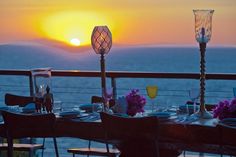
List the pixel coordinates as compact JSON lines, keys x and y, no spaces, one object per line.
{"x":145,"y":59}
{"x":156,"y":59}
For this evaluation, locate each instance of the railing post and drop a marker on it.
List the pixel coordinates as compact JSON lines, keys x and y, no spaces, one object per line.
{"x":113,"y":84}
{"x":31,"y":85}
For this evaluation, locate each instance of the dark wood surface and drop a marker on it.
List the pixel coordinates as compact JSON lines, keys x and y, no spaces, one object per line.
{"x":203,"y":135}
{"x":177,"y":131}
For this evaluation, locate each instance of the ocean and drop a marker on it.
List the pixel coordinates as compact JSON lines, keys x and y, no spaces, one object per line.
{"x":73,"y":90}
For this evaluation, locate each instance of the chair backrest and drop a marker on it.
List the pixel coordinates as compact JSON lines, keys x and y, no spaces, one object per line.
{"x":125,"y":128}
{"x":98,"y":99}
{"x":25,"y":125}
{"x":227,"y":129}
{"x":13,"y":100}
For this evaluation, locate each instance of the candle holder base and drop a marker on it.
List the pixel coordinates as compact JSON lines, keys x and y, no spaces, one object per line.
{"x":203,"y":114}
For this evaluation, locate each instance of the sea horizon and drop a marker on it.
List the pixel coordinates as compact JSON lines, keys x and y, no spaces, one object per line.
{"x":52,"y":43}
{"x":128,"y":59}
{"x":142,"y":36}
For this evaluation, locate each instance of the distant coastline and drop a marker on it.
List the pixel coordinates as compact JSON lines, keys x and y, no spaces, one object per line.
{"x":70,"y":48}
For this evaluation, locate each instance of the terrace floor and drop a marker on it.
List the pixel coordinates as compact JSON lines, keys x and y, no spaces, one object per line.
{"x":64,"y":143}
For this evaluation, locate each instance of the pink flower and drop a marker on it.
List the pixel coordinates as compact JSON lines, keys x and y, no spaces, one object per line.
{"x":232,"y":106}
{"x":225,"y":109}
{"x":135,"y":102}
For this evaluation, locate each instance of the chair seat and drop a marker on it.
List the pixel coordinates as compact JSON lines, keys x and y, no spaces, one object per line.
{"x":22,"y":147}
{"x":94,"y":151}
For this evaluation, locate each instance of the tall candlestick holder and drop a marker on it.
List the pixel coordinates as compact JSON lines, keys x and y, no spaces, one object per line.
{"x":203,"y":26}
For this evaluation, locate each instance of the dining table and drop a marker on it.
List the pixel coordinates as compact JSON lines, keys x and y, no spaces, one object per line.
{"x":201,"y":135}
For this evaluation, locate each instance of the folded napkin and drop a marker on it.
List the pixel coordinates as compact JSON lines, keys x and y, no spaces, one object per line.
{"x":120,"y":106}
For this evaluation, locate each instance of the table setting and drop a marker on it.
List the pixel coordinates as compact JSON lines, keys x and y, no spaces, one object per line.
{"x":84,"y":116}
{"x":134,"y":104}
{"x":83,"y":112}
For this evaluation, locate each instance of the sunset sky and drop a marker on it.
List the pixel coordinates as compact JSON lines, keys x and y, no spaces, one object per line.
{"x":132,"y":22}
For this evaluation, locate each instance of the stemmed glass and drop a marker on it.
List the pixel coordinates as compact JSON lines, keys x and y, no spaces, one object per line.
{"x":38,"y":98}
{"x":194,"y":94}
{"x":108,"y":96}
{"x":57,"y":106}
{"x":234,"y":91}
{"x":152,"y":93}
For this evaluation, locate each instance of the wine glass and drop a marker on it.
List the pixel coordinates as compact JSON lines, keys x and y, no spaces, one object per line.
{"x":234,"y":91}
{"x":57,"y":107}
{"x":152,"y":93}
{"x":194,"y":94}
{"x":108,"y":96}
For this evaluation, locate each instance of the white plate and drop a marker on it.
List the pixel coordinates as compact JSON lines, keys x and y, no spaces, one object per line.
{"x":89,"y":107}
{"x":72,"y":114}
{"x":160,"y":114}
{"x":69,"y":114}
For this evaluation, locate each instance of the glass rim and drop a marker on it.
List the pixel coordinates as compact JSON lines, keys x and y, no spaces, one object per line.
{"x":203,"y":10}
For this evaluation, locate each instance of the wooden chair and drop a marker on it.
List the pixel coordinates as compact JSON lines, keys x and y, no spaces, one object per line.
{"x":132,"y":132}
{"x":21,"y":101}
{"x":91,"y":150}
{"x":24,"y":125}
{"x":17,"y":100}
{"x":227,"y":129}
{"x":98,"y":99}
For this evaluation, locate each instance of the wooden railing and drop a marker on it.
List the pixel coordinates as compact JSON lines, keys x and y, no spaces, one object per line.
{"x":122,"y":74}
{"x":113,"y":75}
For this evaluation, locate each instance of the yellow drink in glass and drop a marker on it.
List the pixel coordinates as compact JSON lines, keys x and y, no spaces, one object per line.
{"x":152,"y":93}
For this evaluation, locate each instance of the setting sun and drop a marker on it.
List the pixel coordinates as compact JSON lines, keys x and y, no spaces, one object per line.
{"x":75,"y":42}
{"x":64,"y":26}
{"x":145,"y":22}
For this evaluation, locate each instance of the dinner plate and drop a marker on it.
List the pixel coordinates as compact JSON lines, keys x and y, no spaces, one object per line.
{"x":160,"y":114}
{"x":89,"y":107}
{"x":69,"y":114}
{"x":72,"y":114}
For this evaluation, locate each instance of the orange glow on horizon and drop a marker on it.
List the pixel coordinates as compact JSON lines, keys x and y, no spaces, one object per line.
{"x":63,"y":26}
{"x":130,"y":22}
